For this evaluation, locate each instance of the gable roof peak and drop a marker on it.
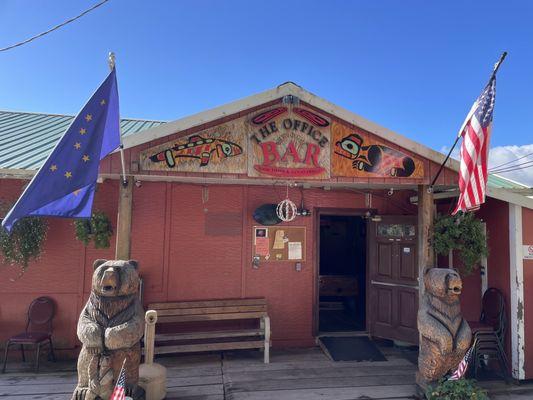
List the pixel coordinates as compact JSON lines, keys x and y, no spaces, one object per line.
{"x":286,"y":88}
{"x":290,"y":84}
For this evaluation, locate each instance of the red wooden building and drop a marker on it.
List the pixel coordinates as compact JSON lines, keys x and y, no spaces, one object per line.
{"x":196,"y":183}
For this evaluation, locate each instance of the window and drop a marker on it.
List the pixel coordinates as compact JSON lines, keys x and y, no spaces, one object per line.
{"x":396,"y":230}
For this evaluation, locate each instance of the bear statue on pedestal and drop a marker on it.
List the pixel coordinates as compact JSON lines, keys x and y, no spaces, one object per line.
{"x":110,"y":328}
{"x":444,"y":334}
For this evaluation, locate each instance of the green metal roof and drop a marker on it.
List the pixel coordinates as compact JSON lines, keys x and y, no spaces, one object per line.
{"x":27,"y":138}
{"x":499,"y":181}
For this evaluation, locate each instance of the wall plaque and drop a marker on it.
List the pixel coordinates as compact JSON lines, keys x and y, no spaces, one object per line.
{"x":289,"y":142}
{"x":218,"y":150}
{"x":357,"y":154}
{"x":279,"y":243}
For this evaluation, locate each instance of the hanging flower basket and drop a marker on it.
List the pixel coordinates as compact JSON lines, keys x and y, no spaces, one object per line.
{"x":98,"y":229}
{"x":24,"y":243}
{"x":463,"y":233}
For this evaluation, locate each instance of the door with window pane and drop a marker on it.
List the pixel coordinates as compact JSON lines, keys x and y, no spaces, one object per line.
{"x":393,"y":278}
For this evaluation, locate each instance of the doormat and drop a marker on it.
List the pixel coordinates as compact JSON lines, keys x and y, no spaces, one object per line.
{"x":353,"y":348}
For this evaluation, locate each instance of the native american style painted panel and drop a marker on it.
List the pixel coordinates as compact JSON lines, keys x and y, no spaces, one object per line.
{"x":356,"y":154}
{"x":218,"y":150}
{"x":289,"y":142}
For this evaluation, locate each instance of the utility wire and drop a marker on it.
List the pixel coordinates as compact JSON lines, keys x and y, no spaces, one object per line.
{"x":510,"y":162}
{"x":54,"y":28}
{"x":515,"y":168}
{"x":512,"y":166}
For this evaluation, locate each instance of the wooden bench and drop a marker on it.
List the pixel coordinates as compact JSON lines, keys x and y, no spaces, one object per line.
{"x":203,"y":339}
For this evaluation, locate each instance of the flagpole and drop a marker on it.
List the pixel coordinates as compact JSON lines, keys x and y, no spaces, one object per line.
{"x":123,"y":243}
{"x":111,"y":61}
{"x":496,"y":67}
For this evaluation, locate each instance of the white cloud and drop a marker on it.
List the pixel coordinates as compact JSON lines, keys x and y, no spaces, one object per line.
{"x":455,"y":152}
{"x":503,"y":154}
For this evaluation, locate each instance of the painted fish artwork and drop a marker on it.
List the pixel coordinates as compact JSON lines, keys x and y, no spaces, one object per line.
{"x":201,"y":148}
{"x":375,"y":158}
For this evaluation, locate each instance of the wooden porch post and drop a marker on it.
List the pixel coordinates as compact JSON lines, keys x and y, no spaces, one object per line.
{"x":426,"y":255}
{"x":123,"y":245}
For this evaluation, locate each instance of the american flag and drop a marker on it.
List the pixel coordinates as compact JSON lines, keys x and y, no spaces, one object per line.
{"x":119,"y":393}
{"x":475,"y":150}
{"x":463,"y":365}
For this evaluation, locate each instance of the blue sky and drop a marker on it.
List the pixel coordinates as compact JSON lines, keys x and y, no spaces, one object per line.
{"x":412,"y":66}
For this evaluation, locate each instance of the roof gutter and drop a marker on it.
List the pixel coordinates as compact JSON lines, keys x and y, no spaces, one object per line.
{"x":506,"y":195}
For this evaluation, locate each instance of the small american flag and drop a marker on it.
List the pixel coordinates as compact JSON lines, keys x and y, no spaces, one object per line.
{"x":463,"y":365}
{"x":475,"y":150}
{"x":119,"y":393}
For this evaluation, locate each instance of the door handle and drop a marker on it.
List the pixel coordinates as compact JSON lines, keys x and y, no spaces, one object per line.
{"x":373,"y":282}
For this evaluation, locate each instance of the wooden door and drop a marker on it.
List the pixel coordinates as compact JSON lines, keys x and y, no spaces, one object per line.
{"x":393,"y":278}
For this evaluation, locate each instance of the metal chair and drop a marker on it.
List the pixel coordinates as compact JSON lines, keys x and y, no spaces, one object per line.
{"x":38,"y":330}
{"x":489,"y":332}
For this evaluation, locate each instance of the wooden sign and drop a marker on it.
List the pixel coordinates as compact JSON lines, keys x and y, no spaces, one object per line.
{"x":217,"y":150}
{"x":289,"y":142}
{"x":356,"y":154}
{"x":279,"y":243}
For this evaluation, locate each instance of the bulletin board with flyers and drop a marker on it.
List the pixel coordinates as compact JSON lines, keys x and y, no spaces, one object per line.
{"x":279,"y":243}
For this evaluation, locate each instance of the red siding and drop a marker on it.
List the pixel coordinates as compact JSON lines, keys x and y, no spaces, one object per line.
{"x":203,"y":265}
{"x":184,"y":254}
{"x":63,"y":272}
{"x":496,"y":214}
{"x":471,"y":295}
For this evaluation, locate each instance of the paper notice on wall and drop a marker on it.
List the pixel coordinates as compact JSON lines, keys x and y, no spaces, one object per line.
{"x":261,"y":246}
{"x":295,"y":250}
{"x":279,"y":243}
{"x":260,"y":233}
{"x":528,"y":252}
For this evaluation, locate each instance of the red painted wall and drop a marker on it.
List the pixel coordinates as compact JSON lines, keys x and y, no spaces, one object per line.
{"x":496,"y":214}
{"x":527,"y":236}
{"x":196,"y":243}
{"x":471,"y":294}
{"x":193,"y":242}
{"x":62,"y":272}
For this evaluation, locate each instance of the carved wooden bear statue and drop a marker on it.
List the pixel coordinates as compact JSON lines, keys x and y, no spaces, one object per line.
{"x":110,"y":328}
{"x":445,"y":334}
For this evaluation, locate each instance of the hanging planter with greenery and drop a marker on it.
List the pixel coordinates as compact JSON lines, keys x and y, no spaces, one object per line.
{"x":464,"y":233}
{"x":98,"y":229}
{"x":24,"y":243}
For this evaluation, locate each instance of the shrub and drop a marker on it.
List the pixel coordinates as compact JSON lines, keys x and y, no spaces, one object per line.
{"x":462,"y":389}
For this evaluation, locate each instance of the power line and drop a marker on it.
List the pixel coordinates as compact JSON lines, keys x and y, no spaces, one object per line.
{"x":512,"y":170}
{"x":511,"y":166}
{"x":510,"y":162}
{"x":54,"y":28}
{"x":515,"y":168}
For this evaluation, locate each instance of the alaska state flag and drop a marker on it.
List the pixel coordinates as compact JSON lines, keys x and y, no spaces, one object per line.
{"x":65,"y":184}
